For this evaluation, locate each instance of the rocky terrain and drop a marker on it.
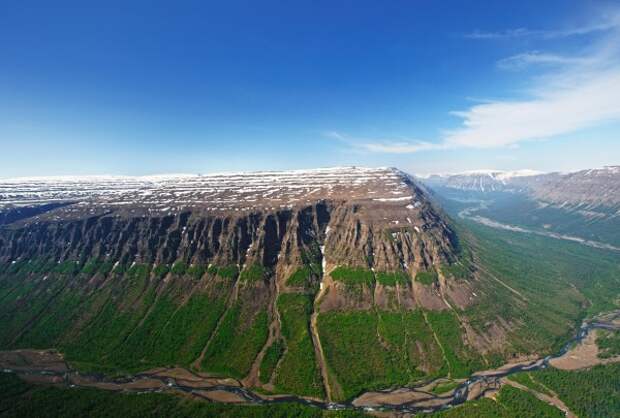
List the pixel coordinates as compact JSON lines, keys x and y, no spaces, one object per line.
{"x":248,"y":241}
{"x":582,"y":205}
{"x":587,"y":188}
{"x":371,"y":218}
{"x":484,"y":180}
{"x":321,"y":283}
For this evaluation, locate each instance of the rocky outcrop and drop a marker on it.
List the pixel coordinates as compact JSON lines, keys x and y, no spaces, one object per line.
{"x":383,"y":223}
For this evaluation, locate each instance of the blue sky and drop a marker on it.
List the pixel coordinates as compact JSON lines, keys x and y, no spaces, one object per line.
{"x":427,"y":86}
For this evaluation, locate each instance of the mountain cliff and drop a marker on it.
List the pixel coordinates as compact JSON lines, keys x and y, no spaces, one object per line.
{"x":322,"y":283}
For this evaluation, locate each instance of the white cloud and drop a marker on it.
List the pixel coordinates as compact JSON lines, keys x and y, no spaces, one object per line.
{"x":580,"y":91}
{"x":607,"y":22}
{"x":554,"y":112}
{"x":567,"y":104}
{"x":385,"y":146}
{"x":520,"y":61}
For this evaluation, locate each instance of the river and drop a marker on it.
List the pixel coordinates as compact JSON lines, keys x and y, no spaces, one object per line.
{"x":468,"y":213}
{"x":202,"y":387}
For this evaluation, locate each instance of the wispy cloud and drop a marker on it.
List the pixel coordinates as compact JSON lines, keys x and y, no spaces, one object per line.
{"x":552,"y":113}
{"x":523,"y":60}
{"x":579,"y":92}
{"x":385,"y":146}
{"x":607,"y":22}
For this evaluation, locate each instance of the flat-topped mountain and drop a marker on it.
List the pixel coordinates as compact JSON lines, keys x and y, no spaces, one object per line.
{"x":323,"y":283}
{"x":593,"y":187}
{"x":233,"y":218}
{"x":248,"y":191}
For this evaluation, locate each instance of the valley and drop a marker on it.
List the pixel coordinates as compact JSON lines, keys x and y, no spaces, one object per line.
{"x":360,"y":293}
{"x":220,"y":209}
{"x":582,"y":204}
{"x":470,"y":213}
{"x":49,"y":367}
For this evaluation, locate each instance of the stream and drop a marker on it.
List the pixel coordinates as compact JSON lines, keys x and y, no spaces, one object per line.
{"x":468,"y":213}
{"x":484,"y":381}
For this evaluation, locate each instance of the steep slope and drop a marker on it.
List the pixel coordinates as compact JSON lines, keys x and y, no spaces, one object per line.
{"x":593,"y":187}
{"x":484,"y":180}
{"x":583,"y":204}
{"x":322,"y":283}
{"x":130,"y":273}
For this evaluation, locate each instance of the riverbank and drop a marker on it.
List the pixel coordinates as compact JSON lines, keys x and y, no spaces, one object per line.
{"x":49,"y":367}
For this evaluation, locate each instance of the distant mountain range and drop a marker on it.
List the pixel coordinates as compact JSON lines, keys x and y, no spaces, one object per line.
{"x":593,"y":187}
{"x":584,"y":203}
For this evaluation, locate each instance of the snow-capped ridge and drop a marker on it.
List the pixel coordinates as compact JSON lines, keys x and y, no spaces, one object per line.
{"x":213,"y":191}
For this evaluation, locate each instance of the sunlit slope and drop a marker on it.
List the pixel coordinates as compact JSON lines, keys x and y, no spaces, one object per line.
{"x":326,"y":299}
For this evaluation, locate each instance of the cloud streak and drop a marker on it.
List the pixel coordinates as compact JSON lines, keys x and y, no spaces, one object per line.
{"x":553,"y":113}
{"x":581,"y":92}
{"x":523,"y":60}
{"x":385,"y":146}
{"x":609,"y":22}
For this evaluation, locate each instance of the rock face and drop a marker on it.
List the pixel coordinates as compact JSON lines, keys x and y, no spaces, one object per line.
{"x":595,"y":187}
{"x":585,"y":188}
{"x":376,"y":219}
{"x":484,"y":180}
{"x":221,"y":272}
{"x":322,"y":283}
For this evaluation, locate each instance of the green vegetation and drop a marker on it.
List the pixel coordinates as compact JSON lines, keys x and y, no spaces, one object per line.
{"x":119,"y":268}
{"x":531,"y":292}
{"x":590,"y":393}
{"x":183,"y":337}
{"x":445,"y":387}
{"x":527,"y":380}
{"x":67,"y":267}
{"x":461,"y":360}
{"x":458,"y":270}
{"x":369,"y":350}
{"x":225,"y":272}
{"x":253,"y":273}
{"x":300,"y":278}
{"x":391,"y":279}
{"x":196,"y":271}
{"x":270,"y":360}
{"x":139,"y":272}
{"x":549,"y":284}
{"x":179,"y":268}
{"x":160,"y":271}
{"x":124,"y":327}
{"x":510,"y":403}
{"x":23,"y":400}
{"x":354,"y":354}
{"x":353,"y":276}
{"x":239,"y":338}
{"x":524,"y":405}
{"x":105,"y":268}
{"x":298,"y":372}
{"x":426,"y":277}
{"x":608,"y":343}
{"x":91,"y":267}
